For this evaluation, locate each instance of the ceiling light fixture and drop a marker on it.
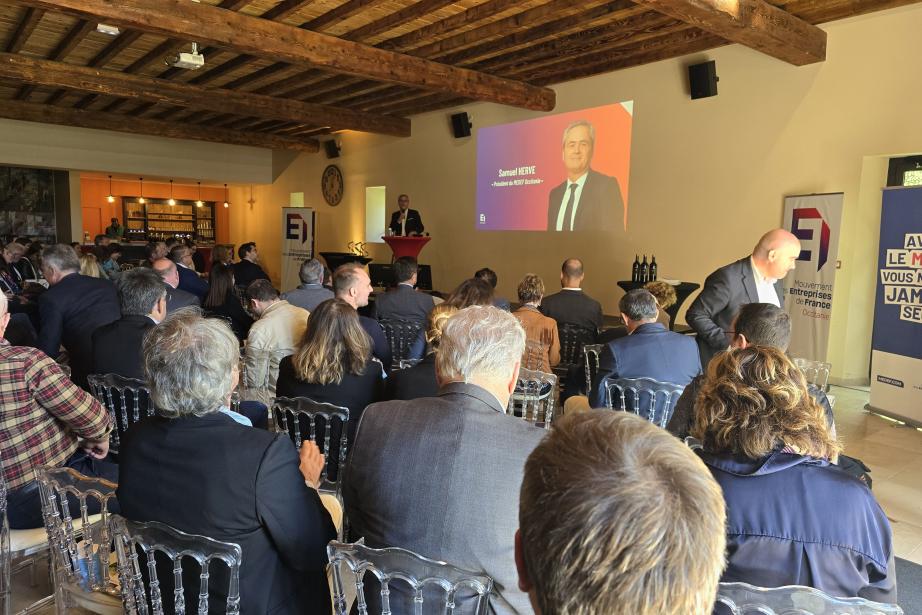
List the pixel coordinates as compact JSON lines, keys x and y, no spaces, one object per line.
{"x":141,"y":191}
{"x":172,"y":201}
{"x":226,"y":202}
{"x":110,"y":198}
{"x":199,"y":202}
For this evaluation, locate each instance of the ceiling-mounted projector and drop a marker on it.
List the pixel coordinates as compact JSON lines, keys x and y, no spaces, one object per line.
{"x":190,"y":61}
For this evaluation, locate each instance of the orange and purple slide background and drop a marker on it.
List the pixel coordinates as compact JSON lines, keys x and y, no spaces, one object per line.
{"x":519,"y":164}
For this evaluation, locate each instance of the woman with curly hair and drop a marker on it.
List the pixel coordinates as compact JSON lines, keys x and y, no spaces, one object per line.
{"x":793,"y":517}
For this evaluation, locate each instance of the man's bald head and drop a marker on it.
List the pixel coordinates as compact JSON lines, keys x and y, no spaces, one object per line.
{"x":167,"y":270}
{"x":571,"y":273}
{"x":776,"y":253}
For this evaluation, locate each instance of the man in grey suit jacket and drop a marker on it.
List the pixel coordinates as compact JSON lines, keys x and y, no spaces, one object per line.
{"x":404,"y":302}
{"x":440,"y":476}
{"x":311,"y":293}
{"x":176,"y":298}
{"x":752,"y":279}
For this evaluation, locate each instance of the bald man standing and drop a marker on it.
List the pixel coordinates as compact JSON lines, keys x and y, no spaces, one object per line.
{"x":752,"y":279}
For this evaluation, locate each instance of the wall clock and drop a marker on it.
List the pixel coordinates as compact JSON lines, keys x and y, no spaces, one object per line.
{"x":332,"y":185}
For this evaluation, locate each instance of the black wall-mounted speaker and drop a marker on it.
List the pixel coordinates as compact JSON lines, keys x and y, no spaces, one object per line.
{"x":461,"y":125}
{"x":702,"y":79}
{"x":332,"y":148}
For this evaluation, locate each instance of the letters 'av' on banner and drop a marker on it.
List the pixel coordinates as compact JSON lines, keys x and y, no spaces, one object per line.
{"x":297,"y":243}
{"x":816,"y":220}
{"x":896,"y":348}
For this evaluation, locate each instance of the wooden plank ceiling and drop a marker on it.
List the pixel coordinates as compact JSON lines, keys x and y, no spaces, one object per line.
{"x":280,"y":74}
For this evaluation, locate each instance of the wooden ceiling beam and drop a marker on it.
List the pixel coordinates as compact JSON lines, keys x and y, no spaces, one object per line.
{"x":27,"y":25}
{"x":252,"y":35}
{"x":32,"y":112}
{"x":471,"y":16}
{"x":753,"y":23}
{"x":67,"y":44}
{"x":153,"y":91}
{"x":342,"y":12}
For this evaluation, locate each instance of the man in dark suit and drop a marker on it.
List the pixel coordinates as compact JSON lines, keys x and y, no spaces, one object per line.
{"x":176,"y":298}
{"x":196,"y":468}
{"x":404,"y":302}
{"x":311,"y":292}
{"x":117,"y":345}
{"x":422,"y":486}
{"x":352,"y":284}
{"x":587,"y":200}
{"x":649,"y":350}
{"x":571,"y":305}
{"x":246,"y":270}
{"x":189,"y":280}
{"x":406,"y":221}
{"x":752,"y":279}
{"x":71,"y":309}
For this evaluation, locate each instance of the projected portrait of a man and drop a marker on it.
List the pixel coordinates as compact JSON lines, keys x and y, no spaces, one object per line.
{"x":586,"y":200}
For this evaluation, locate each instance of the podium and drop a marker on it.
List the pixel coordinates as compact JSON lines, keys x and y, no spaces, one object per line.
{"x":405,"y":246}
{"x":335,"y":259}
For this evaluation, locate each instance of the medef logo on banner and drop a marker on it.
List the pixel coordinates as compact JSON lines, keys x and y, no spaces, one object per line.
{"x":806,"y":234}
{"x":902,"y":278}
{"x":296,"y":227}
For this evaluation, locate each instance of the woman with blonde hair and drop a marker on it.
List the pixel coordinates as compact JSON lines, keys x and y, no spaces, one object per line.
{"x":89,"y":266}
{"x":542,"y":344}
{"x":419,"y":380}
{"x":794,"y":518}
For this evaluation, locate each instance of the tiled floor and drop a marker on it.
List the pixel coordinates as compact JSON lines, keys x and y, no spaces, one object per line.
{"x":892,"y":451}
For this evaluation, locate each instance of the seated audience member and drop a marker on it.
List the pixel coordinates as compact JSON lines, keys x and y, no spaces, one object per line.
{"x":170,"y":242}
{"x":333,"y":363}
{"x":489,"y":276}
{"x":404,"y":302}
{"x":117,"y":345}
{"x":615,"y":516}
{"x":793,"y":517}
{"x":198,"y":261}
{"x":176,"y":298}
{"x":197,"y":469}
{"x":648,"y":351}
{"x":539,"y":329}
{"x":71,"y":309}
{"x":276,"y":334}
{"x":410,"y":458}
{"x":247,"y":270}
{"x":352,"y":284}
{"x":110,"y":264}
{"x":16,"y":265}
{"x":89,"y":266}
{"x":223,"y":301}
{"x":419,"y":380}
{"x":101,"y":240}
{"x":30,"y":264}
{"x":472,"y":291}
{"x":46,"y":421}
{"x":311,"y":291}
{"x":665,"y":296}
{"x":571,"y":305}
{"x":189,"y":281}
{"x":757,"y":324}
{"x":153,"y":251}
{"x":222,"y":254}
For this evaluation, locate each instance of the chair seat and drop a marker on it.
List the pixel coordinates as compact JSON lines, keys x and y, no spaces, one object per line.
{"x":96,"y":602}
{"x":28,"y":542}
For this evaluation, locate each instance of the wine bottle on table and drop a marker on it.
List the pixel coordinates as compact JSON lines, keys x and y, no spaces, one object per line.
{"x":635,"y":269}
{"x":644,"y":270}
{"x":653,"y":268}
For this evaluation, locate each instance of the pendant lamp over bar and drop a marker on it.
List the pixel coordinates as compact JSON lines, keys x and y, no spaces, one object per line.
{"x":172,"y":201}
{"x":111,"y":197}
{"x":141,"y":191}
{"x":226,"y":202}
{"x":199,"y":202}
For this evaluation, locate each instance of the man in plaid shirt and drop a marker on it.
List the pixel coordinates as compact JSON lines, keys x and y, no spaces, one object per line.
{"x":46,"y":420}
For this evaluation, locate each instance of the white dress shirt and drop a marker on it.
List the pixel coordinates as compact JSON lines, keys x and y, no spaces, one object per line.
{"x":765,"y":286}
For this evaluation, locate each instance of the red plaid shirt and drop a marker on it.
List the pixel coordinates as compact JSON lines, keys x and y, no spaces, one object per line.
{"x":42,"y":414}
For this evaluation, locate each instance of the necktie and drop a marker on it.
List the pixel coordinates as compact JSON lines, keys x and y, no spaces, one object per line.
{"x":566,"y":225}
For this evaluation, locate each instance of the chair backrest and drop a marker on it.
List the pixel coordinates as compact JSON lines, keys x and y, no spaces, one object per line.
{"x":126,"y":267}
{"x":133,"y":538}
{"x":80,"y":547}
{"x":126,"y":399}
{"x":407,"y":363}
{"x":591,"y":354}
{"x":745,"y":599}
{"x":815,"y":372}
{"x":534,"y":355}
{"x":646,"y":397}
{"x":572,"y":339}
{"x":534,"y":397}
{"x":400,"y":335}
{"x":299,"y":418}
{"x":454,"y":590}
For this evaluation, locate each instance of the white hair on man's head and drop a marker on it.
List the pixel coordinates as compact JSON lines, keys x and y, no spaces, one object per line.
{"x":61,"y":257}
{"x":480,"y":341}
{"x":189,"y":362}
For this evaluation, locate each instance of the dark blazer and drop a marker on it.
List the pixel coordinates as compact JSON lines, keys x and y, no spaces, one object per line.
{"x":210,"y":475}
{"x":600,"y":207}
{"x":190,"y":282}
{"x":795,"y":520}
{"x":415,"y":480}
{"x":414,"y":382}
{"x":414,"y":222}
{"x":713,"y":310}
{"x":69,"y":312}
{"x":232,"y":310}
{"x":177,"y":298}
{"x":246,"y":271}
{"x":651,"y":351}
{"x":117,"y":346}
{"x":403,"y":303}
{"x":573,"y":307}
{"x":380,"y":347}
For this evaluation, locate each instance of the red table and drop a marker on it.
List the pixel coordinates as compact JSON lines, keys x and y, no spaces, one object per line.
{"x":405,"y":246}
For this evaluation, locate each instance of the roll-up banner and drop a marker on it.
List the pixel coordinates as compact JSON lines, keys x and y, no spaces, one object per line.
{"x":816,"y":219}
{"x":297,"y":243}
{"x":896,"y":346}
